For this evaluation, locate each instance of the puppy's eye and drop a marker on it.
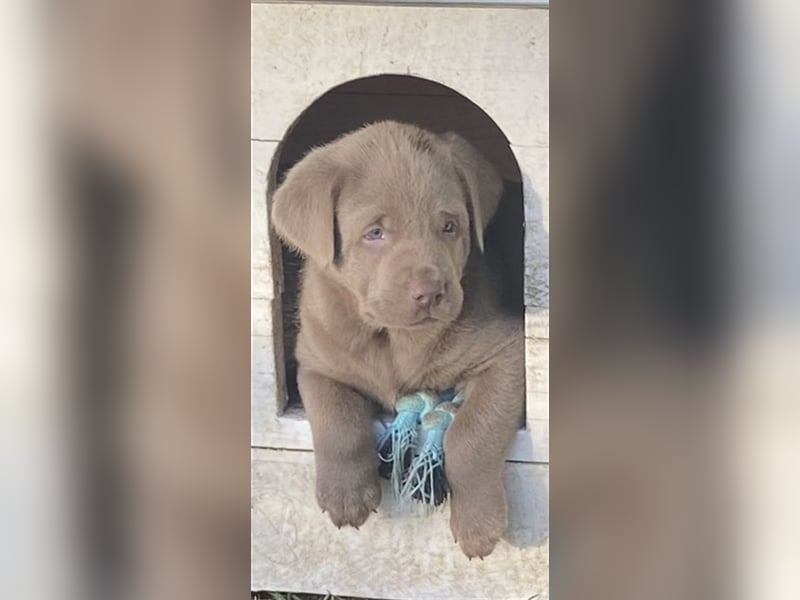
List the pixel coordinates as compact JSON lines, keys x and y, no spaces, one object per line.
{"x":450,"y":227}
{"x":374,"y":234}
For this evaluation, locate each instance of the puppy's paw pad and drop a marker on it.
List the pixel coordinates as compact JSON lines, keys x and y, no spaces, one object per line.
{"x":349,"y":504}
{"x":477,"y":546}
{"x":477,"y":535}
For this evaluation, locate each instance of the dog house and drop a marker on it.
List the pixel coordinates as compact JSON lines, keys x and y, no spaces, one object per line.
{"x":320,"y":70}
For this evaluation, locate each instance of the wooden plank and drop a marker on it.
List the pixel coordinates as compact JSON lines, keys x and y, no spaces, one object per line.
{"x":537,"y":380}
{"x":290,"y":430}
{"x":534,"y":164}
{"x":267,"y":388}
{"x":296,"y":548}
{"x":397,"y":86}
{"x":262,"y":286}
{"x":537,"y":323}
{"x":497,"y":59}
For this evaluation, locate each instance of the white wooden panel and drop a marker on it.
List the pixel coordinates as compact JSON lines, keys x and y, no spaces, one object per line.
{"x":537,"y":323}
{"x":265,"y":404}
{"x":260,"y":252}
{"x":292,"y":431}
{"x":537,"y":364}
{"x":264,"y":408}
{"x":534,"y":163}
{"x":396,"y":554}
{"x":534,"y":166}
{"x":496,"y":58}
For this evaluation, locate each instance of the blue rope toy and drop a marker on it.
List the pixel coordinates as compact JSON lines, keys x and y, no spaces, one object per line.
{"x":417,"y":472}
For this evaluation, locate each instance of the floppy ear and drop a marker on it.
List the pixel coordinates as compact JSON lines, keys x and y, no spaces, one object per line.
{"x":481,"y":182}
{"x":303,"y":206}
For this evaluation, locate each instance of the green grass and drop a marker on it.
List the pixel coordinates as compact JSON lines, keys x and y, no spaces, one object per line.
{"x":291,"y":596}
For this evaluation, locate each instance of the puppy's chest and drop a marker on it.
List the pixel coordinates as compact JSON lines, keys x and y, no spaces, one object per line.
{"x":407,"y":366}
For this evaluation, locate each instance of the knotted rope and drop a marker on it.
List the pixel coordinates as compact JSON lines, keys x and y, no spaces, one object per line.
{"x":417,"y":472}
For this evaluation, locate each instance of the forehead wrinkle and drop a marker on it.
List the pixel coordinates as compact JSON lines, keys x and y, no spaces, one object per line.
{"x":402,"y":174}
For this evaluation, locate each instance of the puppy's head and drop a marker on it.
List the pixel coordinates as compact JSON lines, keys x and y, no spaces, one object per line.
{"x":392,"y":211}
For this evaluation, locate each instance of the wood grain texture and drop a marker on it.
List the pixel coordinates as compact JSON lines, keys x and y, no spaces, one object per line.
{"x":534,"y":164}
{"x":496,"y":58}
{"x":261,"y":265}
{"x":396,"y":554}
{"x":267,"y":399}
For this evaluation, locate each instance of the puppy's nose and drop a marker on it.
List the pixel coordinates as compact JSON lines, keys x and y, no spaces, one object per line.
{"x":427,"y":293}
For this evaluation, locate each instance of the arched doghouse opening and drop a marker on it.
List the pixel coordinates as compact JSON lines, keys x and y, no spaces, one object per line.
{"x":421,"y":102}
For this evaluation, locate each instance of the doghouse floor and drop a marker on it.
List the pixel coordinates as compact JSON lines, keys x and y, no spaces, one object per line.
{"x":395,"y":554}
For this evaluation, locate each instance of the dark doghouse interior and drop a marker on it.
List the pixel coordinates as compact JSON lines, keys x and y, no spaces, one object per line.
{"x":436,"y":108}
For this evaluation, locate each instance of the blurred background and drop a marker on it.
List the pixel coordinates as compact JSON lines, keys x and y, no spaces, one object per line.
{"x":124,"y":311}
{"x":126,"y":341}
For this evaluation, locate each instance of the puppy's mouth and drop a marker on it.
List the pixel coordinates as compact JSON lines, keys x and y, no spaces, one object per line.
{"x":372,"y":318}
{"x":387,"y":311}
{"x":425,"y":320}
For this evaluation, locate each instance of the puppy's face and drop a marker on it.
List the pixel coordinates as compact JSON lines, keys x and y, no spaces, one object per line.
{"x":391,"y":211}
{"x":404,"y":230}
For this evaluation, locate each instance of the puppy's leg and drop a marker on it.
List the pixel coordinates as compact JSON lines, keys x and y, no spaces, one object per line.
{"x":475,"y":447}
{"x":348,"y":486}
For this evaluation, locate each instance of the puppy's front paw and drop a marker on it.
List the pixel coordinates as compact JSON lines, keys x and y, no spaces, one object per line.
{"x":478,"y":526}
{"x":348,"y":495}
